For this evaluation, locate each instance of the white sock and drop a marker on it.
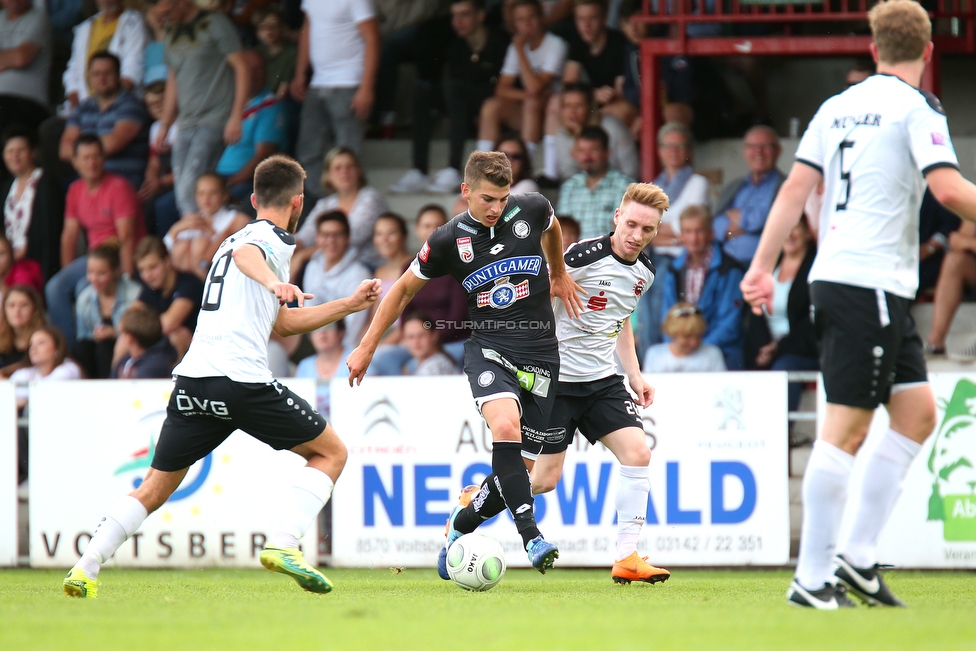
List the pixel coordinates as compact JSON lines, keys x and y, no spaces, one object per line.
{"x":533,"y":147}
{"x":121,"y":521}
{"x":484,"y":145}
{"x":550,"y":155}
{"x":883,"y":475}
{"x":302,"y":503}
{"x":824,"y":497}
{"x":631,"y":503}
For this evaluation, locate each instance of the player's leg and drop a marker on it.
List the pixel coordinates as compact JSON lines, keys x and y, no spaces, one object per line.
{"x":546,"y":471}
{"x":120,"y":522}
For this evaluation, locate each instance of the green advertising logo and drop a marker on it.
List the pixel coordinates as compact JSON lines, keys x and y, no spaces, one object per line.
{"x":953,"y":498}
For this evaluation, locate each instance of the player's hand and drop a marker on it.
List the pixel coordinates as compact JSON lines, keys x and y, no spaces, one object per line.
{"x":644,"y":391}
{"x":366,"y":294}
{"x":358,"y":361}
{"x":566,"y":289}
{"x":286,"y":293}
{"x":757,"y":290}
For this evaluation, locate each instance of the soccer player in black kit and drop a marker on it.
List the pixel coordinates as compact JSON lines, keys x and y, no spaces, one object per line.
{"x":498,"y":250}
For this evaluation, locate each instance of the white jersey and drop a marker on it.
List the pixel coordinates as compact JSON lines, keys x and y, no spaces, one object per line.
{"x":873,"y":143}
{"x":613,"y":286}
{"x":237,"y":312}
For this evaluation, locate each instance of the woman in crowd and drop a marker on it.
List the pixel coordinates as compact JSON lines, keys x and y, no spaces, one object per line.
{"x":100,"y":307}
{"x":21,"y":317}
{"x":427,"y":355}
{"x":193,"y":240}
{"x":784,"y":339}
{"x":33,"y":208}
{"x":17,"y":272}
{"x":390,"y":241}
{"x":685,"y":325}
{"x":327,"y":362}
{"x":518,"y":156}
{"x":362,"y":205}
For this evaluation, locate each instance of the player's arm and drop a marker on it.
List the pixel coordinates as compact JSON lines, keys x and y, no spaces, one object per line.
{"x":757,"y":286}
{"x":250,"y":260}
{"x":560,"y":282}
{"x":953,"y":191}
{"x":627,"y":352}
{"x":389,"y":310}
{"x":295,"y":321}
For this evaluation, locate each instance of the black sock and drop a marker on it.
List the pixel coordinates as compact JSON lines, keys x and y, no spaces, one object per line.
{"x":506,"y":461}
{"x":486,"y":504}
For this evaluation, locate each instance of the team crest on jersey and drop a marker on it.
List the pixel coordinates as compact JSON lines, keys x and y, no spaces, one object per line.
{"x":521,"y":229}
{"x":639,"y":287}
{"x":465,"y":250}
{"x":424,"y":252}
{"x":503,"y":294}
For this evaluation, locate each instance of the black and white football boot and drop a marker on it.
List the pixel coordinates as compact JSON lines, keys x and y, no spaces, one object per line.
{"x":829,"y":597}
{"x":865,"y":583}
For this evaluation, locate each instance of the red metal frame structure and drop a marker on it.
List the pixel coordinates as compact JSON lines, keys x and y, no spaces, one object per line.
{"x":677,"y":14}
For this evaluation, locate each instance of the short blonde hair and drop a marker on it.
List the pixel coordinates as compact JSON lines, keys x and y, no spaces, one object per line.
{"x":901,"y":30}
{"x":646,"y":194}
{"x":491,"y":166}
{"x":696,"y":211}
{"x":684,"y":319}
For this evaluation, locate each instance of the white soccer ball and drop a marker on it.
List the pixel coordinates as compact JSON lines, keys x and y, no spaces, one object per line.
{"x":476,"y":562}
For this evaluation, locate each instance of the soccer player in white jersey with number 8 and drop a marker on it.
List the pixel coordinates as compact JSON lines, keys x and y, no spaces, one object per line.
{"x":224,"y":384}
{"x":871,"y":145}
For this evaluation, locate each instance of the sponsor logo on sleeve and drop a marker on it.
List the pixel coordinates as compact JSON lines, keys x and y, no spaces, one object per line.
{"x":424,"y":252}
{"x":465,"y":250}
{"x":939,"y":139}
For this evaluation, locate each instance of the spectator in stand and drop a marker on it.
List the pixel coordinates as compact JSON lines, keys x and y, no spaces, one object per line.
{"x":861,"y":70}
{"x":280,"y":55}
{"x":705,"y":276}
{"x":592,"y":195}
{"x":141,"y":350}
{"x":518,"y":155}
{"x":193,"y":240}
{"x":100,"y":308}
{"x":156,"y":193}
{"x":115,"y":115}
{"x":684,"y":352}
{"x":12,"y":273}
{"x":570,"y":230}
{"x":474,"y":60}
{"x":958,"y":274}
{"x":262,"y":134}
{"x":936,"y":223}
{"x":742,"y":208}
{"x":577,"y":111}
{"x":535,"y":59}
{"x":33,"y":208}
{"x":25,"y":58}
{"x":334,"y":271}
{"x":390,"y":241}
{"x":100,"y":205}
{"x":340,"y":40}
{"x":784,"y":339}
{"x":22,"y":315}
{"x":427,"y":355}
{"x":627,"y":110}
{"x":343,"y":177}
{"x":684,"y":188}
{"x":154,"y":67}
{"x":207,"y":87}
{"x":329,"y":361}
{"x":113,"y":29}
{"x":173,"y":295}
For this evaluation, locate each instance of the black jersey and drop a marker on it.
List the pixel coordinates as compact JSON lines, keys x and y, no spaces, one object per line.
{"x":501,"y":268}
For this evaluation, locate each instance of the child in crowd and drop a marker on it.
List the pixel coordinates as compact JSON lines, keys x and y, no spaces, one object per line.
{"x":570,"y":228}
{"x":424,"y":345}
{"x":193,"y":240}
{"x":327,"y":362}
{"x":22,"y":315}
{"x":157,"y":185}
{"x":280,"y":56}
{"x":685,"y":352}
{"x":141,"y":350}
{"x":100,"y":308}
{"x":174,"y":295}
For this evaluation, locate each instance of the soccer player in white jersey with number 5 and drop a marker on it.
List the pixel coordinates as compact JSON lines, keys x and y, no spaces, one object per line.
{"x":874,"y":146}
{"x":590,"y":395}
{"x":224,"y":384}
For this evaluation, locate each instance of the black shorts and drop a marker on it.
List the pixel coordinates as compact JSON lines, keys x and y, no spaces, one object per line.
{"x":868,"y":344}
{"x":202,"y":412}
{"x":530,"y":380}
{"x":595,"y":408}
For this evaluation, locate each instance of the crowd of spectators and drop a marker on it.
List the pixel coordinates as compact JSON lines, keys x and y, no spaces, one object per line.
{"x":118,"y":191}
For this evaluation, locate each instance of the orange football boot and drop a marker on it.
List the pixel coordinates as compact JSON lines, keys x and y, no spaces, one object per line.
{"x":635,"y":568}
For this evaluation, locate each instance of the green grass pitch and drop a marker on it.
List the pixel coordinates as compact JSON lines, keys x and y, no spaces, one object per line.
{"x":413,"y":609}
